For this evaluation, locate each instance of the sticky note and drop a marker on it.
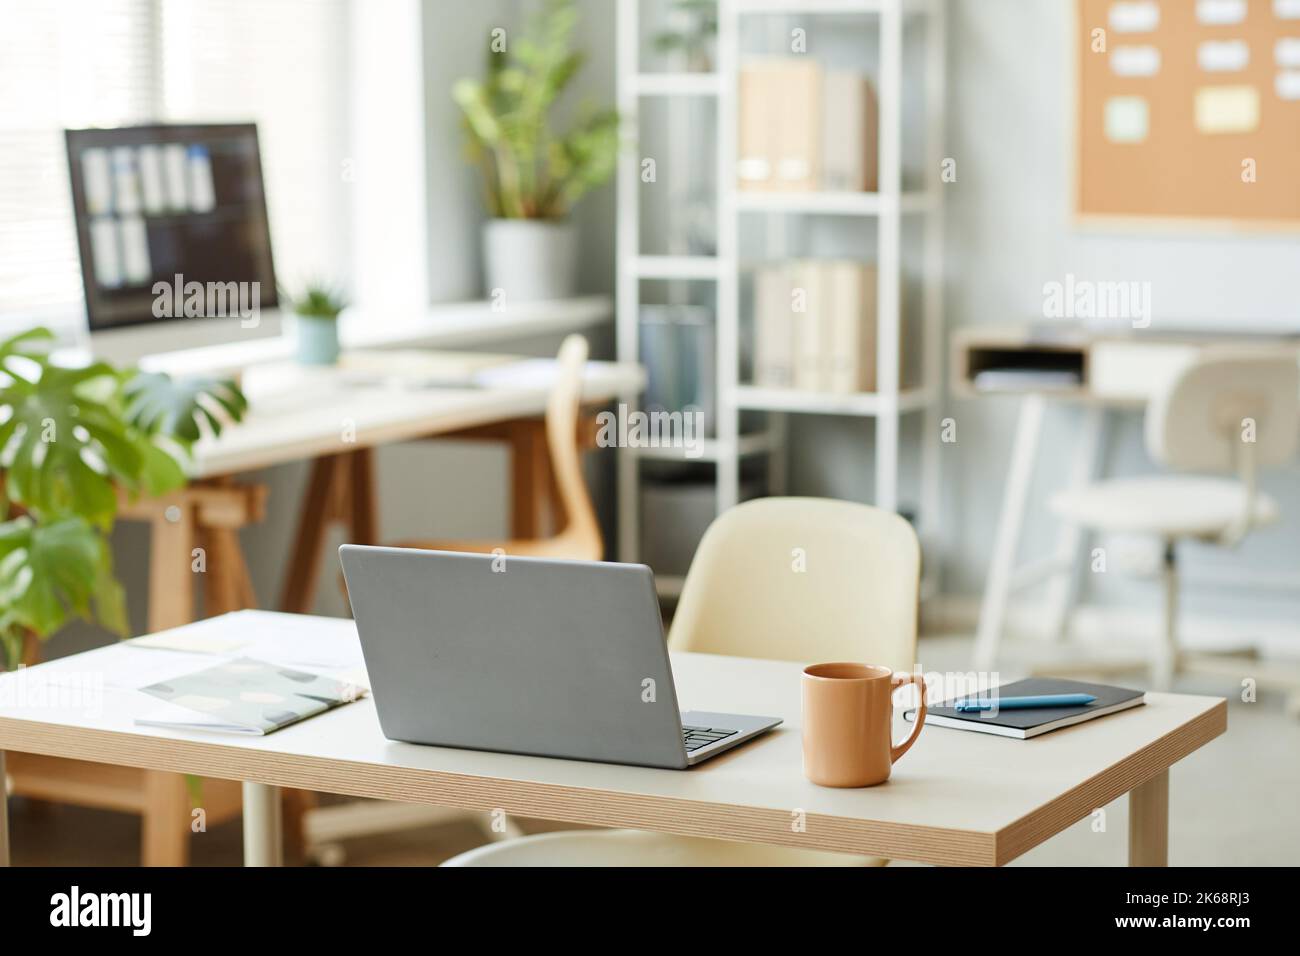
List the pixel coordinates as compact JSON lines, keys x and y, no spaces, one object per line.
{"x":1286,"y":52}
{"x":1286,"y":9}
{"x":1227,"y":109}
{"x":1135,"y":61}
{"x":1219,"y":12}
{"x":1127,"y":119}
{"x":1223,"y":56}
{"x":1287,"y":85}
{"x":1134,"y":17}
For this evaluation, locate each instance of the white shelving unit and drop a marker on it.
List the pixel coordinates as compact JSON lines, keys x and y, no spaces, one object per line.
{"x":889,"y":207}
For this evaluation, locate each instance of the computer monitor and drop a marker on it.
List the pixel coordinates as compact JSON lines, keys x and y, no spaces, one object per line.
{"x":172,"y":228}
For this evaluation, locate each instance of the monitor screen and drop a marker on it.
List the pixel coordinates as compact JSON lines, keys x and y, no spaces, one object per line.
{"x":171,"y":223}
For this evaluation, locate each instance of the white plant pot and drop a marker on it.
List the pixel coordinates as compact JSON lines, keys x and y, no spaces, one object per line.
{"x":530,"y":260}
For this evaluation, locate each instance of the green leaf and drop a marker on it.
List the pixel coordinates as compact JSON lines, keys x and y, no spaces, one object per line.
{"x":158,"y":405}
{"x":50,"y":573}
{"x":506,"y":122}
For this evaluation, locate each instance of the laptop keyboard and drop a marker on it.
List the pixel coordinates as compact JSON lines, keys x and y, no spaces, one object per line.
{"x":697,"y":737}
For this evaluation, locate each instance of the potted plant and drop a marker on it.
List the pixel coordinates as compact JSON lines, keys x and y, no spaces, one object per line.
{"x":695,"y":25}
{"x":71,"y":439}
{"x":316,"y":314}
{"x":531,"y":177}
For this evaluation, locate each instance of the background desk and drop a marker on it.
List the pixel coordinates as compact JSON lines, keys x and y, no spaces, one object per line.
{"x":956,"y":798}
{"x":295,"y":414}
{"x":1116,"y":371}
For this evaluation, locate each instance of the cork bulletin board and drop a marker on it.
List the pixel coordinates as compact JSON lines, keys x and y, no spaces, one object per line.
{"x":1184,"y":96}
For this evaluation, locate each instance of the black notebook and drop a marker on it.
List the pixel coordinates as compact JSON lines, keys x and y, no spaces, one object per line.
{"x":1035,"y":720}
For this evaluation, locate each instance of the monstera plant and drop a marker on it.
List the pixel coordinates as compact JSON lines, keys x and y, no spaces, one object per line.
{"x":72,"y":441}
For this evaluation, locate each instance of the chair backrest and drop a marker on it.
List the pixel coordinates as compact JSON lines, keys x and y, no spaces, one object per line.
{"x":579,"y":536}
{"x":1229,"y":410}
{"x":805,"y":579}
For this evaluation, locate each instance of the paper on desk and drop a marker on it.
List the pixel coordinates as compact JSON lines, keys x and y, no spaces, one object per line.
{"x":198,"y":642}
{"x":121,"y":666}
{"x":530,"y":373}
{"x":278,"y":638}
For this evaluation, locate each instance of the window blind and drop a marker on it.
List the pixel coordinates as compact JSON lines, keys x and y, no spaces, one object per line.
{"x":73,"y":63}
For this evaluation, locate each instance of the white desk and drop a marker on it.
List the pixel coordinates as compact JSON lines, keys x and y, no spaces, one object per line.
{"x":956,"y":798}
{"x":1117,"y":371}
{"x":297,"y":413}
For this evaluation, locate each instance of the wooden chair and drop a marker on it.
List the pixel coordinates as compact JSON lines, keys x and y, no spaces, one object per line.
{"x":579,"y":534}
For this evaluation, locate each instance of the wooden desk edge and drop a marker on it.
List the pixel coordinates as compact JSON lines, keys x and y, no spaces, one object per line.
{"x":610,"y":808}
{"x":1135,"y":769}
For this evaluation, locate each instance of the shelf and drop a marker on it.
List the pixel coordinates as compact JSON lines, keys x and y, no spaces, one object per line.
{"x":830,"y":203}
{"x":825,"y":403}
{"x":711,"y":449}
{"x":676,"y":84}
{"x":676,"y":267}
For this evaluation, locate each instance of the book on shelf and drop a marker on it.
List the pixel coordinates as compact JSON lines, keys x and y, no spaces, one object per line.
{"x":811,"y":306}
{"x":803,"y":128}
{"x":773,"y":328}
{"x":849,"y":121}
{"x":779,"y":139}
{"x":815,"y":326}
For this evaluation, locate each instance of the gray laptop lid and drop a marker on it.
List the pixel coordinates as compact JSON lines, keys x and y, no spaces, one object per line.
{"x":524,"y":655}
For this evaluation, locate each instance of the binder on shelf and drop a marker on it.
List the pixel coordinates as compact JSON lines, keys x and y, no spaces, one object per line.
{"x":851,"y":336}
{"x":773,"y":328}
{"x":802,"y":128}
{"x":815,"y":326}
{"x":812,"y":305}
{"x":849,"y":124}
{"x":780,"y":134}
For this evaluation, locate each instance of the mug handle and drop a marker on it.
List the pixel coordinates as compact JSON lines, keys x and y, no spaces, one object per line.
{"x":898,"y":680}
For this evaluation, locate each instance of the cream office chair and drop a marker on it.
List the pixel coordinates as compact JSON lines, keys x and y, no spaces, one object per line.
{"x":804,"y":579}
{"x":1226,"y":412}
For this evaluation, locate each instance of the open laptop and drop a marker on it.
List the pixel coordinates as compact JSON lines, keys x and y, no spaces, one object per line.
{"x":526,"y":655}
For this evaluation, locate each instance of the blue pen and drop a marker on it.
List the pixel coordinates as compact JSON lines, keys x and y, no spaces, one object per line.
{"x":1023,"y":703}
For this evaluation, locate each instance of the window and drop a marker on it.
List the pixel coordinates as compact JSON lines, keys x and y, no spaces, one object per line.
{"x":71,"y":63}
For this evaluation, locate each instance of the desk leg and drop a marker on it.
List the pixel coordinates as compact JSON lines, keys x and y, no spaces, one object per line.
{"x":1148,"y":822}
{"x":4,"y":814}
{"x":341,"y":488}
{"x":1063,"y":591}
{"x":1015,"y":497}
{"x":263,"y":839}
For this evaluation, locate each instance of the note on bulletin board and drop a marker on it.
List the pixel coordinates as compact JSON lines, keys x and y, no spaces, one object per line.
{"x":1189,"y":110}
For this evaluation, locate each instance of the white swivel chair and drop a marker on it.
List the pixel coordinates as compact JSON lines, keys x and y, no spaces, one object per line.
{"x":1230,"y":412}
{"x":803,"y":579}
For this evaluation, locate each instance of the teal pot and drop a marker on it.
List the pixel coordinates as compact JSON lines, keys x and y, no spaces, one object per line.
{"x":530,"y":260}
{"x":318,"y":340}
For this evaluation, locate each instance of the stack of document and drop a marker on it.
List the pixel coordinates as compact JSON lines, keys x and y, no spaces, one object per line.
{"x":805,"y":128}
{"x":815,"y":326}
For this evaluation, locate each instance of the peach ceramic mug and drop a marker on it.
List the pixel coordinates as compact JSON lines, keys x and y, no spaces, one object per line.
{"x":847,"y":709}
